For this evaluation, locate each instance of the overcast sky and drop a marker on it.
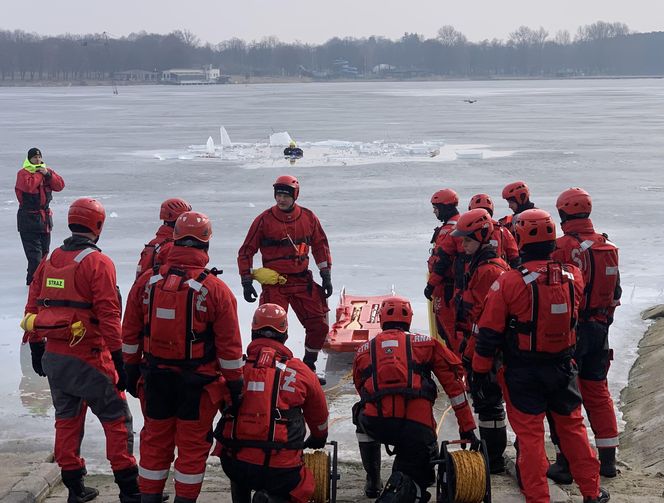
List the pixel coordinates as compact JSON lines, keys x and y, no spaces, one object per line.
{"x":318,"y":20}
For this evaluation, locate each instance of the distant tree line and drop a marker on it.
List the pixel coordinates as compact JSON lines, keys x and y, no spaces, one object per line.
{"x":597,"y":49}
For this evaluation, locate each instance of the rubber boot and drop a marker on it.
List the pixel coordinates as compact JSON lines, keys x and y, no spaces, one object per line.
{"x":496,"y":442}
{"x":240,"y":493}
{"x":78,"y":493}
{"x":127,"y":481}
{"x":370,"y":454}
{"x":607,"y":460}
{"x":559,"y":471}
{"x":603,"y":497}
{"x":180,"y":499}
{"x":309,"y":360}
{"x":153,"y":498}
{"x":264,"y":497}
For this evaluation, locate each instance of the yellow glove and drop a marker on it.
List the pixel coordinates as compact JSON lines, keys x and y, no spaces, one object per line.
{"x":28,"y":322}
{"x":267,"y":276}
{"x":77,"y":333}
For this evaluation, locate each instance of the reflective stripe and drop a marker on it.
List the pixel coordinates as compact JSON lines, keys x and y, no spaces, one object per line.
{"x":389,"y":344}
{"x":231,"y":364}
{"x":364,"y":438}
{"x":558,"y":308}
{"x":255,"y":386}
{"x":130,"y":349}
{"x":165,"y":314}
{"x":185,"y":478}
{"x":606,"y":442}
{"x":311,"y":350}
{"x":194,"y":285}
{"x":154,"y":279}
{"x":281,"y":366}
{"x":322,"y":427}
{"x":322,"y":265}
{"x":493,"y":242}
{"x":476,"y":329}
{"x":586,"y":244}
{"x":612,"y":270}
{"x":492,"y":424}
{"x":568,"y":275}
{"x":458,"y":400}
{"x":530,"y":277}
{"x":84,"y":253}
{"x":153,"y":474}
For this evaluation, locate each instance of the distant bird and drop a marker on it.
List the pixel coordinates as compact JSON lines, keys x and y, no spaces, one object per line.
{"x":469,"y":101}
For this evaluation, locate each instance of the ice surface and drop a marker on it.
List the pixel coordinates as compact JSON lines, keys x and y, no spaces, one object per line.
{"x":282,"y":139}
{"x":225,"y":139}
{"x":371,"y":195}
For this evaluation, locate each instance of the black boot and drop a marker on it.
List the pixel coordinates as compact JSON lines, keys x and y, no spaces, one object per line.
{"x":603,"y":497}
{"x":78,"y":493}
{"x":496,"y":442}
{"x":309,"y":360}
{"x":607,"y":460}
{"x":127,"y":481}
{"x":240,"y":493}
{"x":153,"y":498}
{"x":370,"y":454}
{"x":559,"y":471}
{"x":264,"y":497}
{"x":180,"y":499}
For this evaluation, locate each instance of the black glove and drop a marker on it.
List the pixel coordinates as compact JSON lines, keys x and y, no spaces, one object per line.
{"x":37,"y":351}
{"x":471,"y":438}
{"x":133,"y":374}
{"x":248,"y":290}
{"x":235,"y":388}
{"x":479,"y":383}
{"x":120,"y":369}
{"x":428,"y":291}
{"x":326,"y":276}
{"x":315,"y":442}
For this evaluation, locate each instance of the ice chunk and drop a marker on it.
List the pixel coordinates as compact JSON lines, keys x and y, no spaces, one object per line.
{"x":225,"y":139}
{"x":282,"y":139}
{"x":469,"y":154}
{"x":209,"y":146}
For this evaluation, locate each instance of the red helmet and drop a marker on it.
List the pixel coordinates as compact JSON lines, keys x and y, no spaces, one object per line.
{"x":445,"y":196}
{"x":481,"y":201}
{"x":194,"y":225}
{"x":270,"y":316}
{"x":534,"y":226}
{"x":575,"y":201}
{"x":172,"y":208}
{"x":287,"y":184}
{"x":87,"y":212}
{"x":396,"y":309}
{"x":475,"y":224}
{"x":518,"y":191}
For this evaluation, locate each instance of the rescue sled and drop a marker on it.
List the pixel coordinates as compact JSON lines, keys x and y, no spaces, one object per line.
{"x":357,"y":322}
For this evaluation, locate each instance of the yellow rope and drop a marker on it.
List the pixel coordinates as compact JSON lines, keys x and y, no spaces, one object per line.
{"x":442,"y":420}
{"x":470,"y":472}
{"x":319,"y":464}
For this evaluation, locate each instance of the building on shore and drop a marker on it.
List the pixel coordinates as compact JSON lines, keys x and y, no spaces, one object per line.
{"x":192,"y":76}
{"x":137,"y":76}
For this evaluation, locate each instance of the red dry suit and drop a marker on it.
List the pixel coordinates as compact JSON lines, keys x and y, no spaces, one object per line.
{"x":538,"y":374}
{"x":597,"y":258}
{"x":156,"y":251}
{"x":505,"y":244}
{"x":446,"y":266}
{"x":181,"y":325}
{"x":284,"y":240}
{"x":77,"y":283}
{"x":281,"y":395}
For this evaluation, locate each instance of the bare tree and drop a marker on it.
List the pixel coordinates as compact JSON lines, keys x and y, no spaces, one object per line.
{"x":450,"y":37}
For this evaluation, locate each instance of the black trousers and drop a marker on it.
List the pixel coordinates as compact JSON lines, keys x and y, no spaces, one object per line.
{"x":36,"y":246}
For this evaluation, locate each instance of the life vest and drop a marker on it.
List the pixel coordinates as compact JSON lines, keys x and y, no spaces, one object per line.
{"x":149,"y":256}
{"x":61,"y":305}
{"x":173,"y":334}
{"x":393,"y":371}
{"x":597,"y":257}
{"x":260,"y":422}
{"x":294,"y":249}
{"x":550,"y":331}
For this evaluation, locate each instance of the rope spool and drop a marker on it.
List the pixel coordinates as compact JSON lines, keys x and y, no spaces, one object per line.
{"x":319,"y":464}
{"x":470,"y":476}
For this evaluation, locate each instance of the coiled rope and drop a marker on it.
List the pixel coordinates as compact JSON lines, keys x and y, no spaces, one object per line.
{"x":319,"y":464}
{"x":470,"y":475}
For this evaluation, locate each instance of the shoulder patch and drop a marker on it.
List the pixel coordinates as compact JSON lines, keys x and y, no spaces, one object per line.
{"x":495,"y":286}
{"x":421,"y":338}
{"x":363,"y":348}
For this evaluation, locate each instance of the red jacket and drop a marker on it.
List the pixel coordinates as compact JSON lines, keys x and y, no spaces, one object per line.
{"x":284,"y":240}
{"x":156,"y":251}
{"x":95,"y":283}
{"x":33,"y":191}
{"x":299,"y":389}
{"x":446,"y":249}
{"x":427,"y":353}
{"x":505,"y":244}
{"x":216,"y":308}
{"x":510,"y":297}
{"x":569,"y":250}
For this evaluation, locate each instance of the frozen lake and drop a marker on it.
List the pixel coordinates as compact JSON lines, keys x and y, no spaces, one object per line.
{"x":126,"y":150}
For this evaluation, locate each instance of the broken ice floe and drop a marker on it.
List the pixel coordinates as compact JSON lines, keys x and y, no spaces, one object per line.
{"x":329,"y":152}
